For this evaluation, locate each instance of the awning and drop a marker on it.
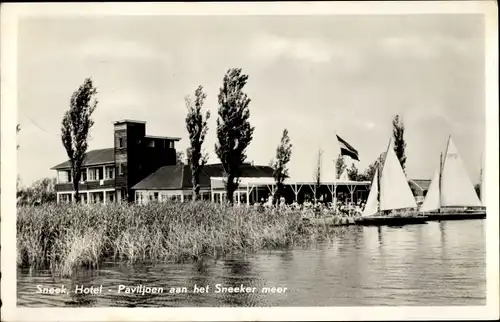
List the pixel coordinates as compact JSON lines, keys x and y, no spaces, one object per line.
{"x":218,"y":182}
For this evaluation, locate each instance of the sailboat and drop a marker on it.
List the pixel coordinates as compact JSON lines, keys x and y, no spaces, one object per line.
{"x":390,"y":201}
{"x":483,"y":184}
{"x":451,"y":194}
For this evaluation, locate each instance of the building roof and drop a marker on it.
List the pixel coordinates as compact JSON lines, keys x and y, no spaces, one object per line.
{"x":172,"y":138}
{"x":421,"y":184}
{"x":177,"y":177}
{"x":219,"y":182}
{"x":93,"y":157}
{"x":129,"y":121}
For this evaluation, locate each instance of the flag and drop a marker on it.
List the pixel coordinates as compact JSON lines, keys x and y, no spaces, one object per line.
{"x":347,"y":149}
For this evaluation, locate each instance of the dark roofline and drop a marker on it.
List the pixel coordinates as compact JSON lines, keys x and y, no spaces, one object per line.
{"x":153,"y":181}
{"x":172,"y":138}
{"x":59,"y":167}
{"x":63,"y":166}
{"x":128,"y":121}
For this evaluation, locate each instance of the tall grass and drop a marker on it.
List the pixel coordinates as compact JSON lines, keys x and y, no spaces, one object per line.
{"x":65,"y":237}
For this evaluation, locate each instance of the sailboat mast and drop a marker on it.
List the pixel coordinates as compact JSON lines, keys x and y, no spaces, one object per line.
{"x":381,"y":170}
{"x":440,"y":177}
{"x":378,"y":190}
{"x":481,"y":180}
{"x":441,"y":166}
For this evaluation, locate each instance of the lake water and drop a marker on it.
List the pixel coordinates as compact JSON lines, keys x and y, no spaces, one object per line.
{"x":439,"y":263}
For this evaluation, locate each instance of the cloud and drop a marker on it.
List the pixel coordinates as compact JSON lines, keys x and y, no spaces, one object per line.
{"x":272,"y":47}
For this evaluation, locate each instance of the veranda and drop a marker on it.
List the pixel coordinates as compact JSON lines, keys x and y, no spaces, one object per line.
{"x":252,"y":190}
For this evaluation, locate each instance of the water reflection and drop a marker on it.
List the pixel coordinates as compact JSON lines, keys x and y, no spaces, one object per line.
{"x":238,"y":273}
{"x":441,"y":263}
{"x":379,"y":230}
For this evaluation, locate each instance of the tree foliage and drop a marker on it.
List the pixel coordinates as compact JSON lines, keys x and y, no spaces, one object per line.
{"x":280,"y":170}
{"x":352,"y":173}
{"x":40,"y":192}
{"x":75,"y":129}
{"x":398,"y":130}
{"x":340,"y":166}
{"x":370,"y":171}
{"x":317,"y":175}
{"x":197,"y":127}
{"x":179,"y":158}
{"x":234,"y":132}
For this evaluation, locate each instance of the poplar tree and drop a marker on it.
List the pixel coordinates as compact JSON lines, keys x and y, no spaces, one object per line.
{"x":234,"y":132}
{"x":197,"y":128}
{"x":398,"y":130}
{"x":318,"y":175}
{"x":280,"y":170}
{"x":75,"y":129}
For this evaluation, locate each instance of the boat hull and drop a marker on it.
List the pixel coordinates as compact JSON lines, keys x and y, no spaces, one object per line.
{"x":391,"y":221}
{"x":463,"y":215}
{"x":329,"y":221}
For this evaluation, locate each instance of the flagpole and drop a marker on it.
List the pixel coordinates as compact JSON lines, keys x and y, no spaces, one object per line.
{"x":335,"y":173}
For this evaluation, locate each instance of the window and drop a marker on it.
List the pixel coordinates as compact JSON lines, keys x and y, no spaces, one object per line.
{"x":84,"y":176}
{"x":151,"y":144}
{"x":156,"y":196}
{"x":110,"y":172}
{"x":138,"y":196}
{"x":171,"y":144}
{"x":120,"y":143}
{"x":96,"y":174}
{"x":64,"y":176}
{"x":92,"y":174}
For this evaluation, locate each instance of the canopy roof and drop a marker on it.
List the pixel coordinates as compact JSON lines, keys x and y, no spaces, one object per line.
{"x":218,"y":182}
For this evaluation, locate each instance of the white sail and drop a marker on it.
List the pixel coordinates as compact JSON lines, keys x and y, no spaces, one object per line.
{"x":456,"y":187}
{"x":371,"y":206}
{"x":395,"y":193}
{"x":432,"y":199}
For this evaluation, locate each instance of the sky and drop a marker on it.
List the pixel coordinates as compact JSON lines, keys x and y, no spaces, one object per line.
{"x":317,"y":76}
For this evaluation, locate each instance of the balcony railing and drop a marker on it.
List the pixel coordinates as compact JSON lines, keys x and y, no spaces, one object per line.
{"x":87,"y":185}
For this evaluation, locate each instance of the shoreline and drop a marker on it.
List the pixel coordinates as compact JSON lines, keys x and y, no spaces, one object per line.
{"x":62,"y":238}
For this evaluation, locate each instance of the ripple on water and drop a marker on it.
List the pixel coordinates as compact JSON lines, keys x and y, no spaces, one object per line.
{"x":433,"y":264}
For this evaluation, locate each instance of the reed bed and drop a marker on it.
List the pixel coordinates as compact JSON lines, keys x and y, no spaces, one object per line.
{"x":65,"y":237}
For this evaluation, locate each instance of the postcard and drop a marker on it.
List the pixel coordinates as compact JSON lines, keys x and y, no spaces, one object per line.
{"x":249,"y":161}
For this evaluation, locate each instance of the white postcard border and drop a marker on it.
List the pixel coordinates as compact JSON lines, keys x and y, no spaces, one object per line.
{"x":10,"y":13}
